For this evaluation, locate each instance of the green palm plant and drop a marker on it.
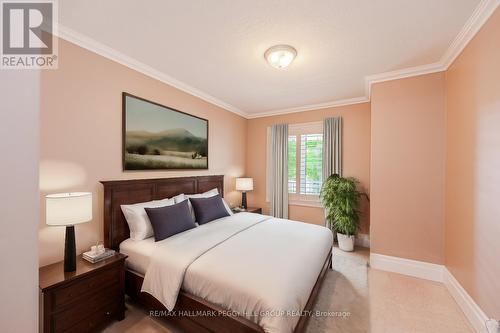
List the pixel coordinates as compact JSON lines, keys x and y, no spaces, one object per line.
{"x":340,"y":198}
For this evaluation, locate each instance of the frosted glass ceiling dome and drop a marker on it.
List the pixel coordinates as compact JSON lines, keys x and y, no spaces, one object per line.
{"x":280,"y":56}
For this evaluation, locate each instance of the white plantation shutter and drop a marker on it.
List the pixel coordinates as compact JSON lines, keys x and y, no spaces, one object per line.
{"x":311,"y":163}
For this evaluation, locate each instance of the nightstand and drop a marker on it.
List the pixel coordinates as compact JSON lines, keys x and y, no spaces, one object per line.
{"x":255,"y":210}
{"x":84,"y":300}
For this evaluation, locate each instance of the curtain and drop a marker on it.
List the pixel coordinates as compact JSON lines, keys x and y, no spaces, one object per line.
{"x":332,"y":147}
{"x":279,"y":171}
{"x":332,"y":150}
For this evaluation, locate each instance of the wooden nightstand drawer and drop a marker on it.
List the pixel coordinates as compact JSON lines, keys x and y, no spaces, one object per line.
{"x":96,"y":319}
{"x":84,"y":300}
{"x":81,"y":288}
{"x":66,"y":318}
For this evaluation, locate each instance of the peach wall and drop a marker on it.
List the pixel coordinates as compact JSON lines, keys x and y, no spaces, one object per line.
{"x":19,"y":123}
{"x":81,"y":132}
{"x":407,"y":168}
{"x":473,"y":168}
{"x":356,"y":158}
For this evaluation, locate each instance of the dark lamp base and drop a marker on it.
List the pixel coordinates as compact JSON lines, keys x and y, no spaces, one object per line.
{"x":70,"y":250}
{"x":244,"y":200}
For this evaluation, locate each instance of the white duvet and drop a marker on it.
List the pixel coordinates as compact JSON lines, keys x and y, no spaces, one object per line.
{"x":260,"y":267}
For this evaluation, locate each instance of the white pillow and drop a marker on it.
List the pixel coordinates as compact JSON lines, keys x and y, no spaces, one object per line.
{"x":138,"y":220}
{"x":229,"y":210}
{"x":179,"y":198}
{"x":207,"y":194}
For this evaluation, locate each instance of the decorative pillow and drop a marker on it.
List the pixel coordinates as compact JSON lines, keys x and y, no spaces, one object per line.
{"x":170,"y":220}
{"x":207,"y":194}
{"x":208,"y":209}
{"x":137,"y":219}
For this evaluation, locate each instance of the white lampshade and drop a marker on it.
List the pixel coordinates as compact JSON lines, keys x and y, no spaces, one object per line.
{"x":244,"y":184}
{"x":68,"y":208}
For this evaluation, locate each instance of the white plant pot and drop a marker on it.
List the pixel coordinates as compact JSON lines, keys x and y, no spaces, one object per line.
{"x":346,"y":243}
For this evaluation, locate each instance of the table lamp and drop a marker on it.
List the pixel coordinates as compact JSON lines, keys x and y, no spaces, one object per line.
{"x":244,"y":185}
{"x":68,"y":209}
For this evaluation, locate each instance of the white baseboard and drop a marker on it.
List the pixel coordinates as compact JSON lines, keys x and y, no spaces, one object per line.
{"x":477,"y":318}
{"x":439,"y":273}
{"x":362,"y":240}
{"x":419,"y":269}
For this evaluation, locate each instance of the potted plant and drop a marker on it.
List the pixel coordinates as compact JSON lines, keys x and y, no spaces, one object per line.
{"x":340,"y":198}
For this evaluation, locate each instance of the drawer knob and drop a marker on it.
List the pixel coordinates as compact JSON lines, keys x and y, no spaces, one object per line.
{"x":107,"y":313}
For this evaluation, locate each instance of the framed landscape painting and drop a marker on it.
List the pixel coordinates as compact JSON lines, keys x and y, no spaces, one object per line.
{"x":156,"y":137}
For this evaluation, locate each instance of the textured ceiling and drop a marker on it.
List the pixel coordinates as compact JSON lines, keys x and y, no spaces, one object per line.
{"x":217,"y":47}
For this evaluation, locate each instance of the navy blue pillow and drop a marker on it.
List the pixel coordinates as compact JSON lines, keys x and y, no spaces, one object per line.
{"x":208,"y":209}
{"x":170,"y":220}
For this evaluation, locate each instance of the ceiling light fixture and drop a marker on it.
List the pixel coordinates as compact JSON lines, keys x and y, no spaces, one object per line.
{"x":280,"y":56}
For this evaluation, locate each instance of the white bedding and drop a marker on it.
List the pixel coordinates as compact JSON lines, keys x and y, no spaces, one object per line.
{"x":258,"y":266}
{"x":139,"y":253}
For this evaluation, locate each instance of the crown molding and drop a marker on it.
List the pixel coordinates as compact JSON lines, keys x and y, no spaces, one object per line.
{"x":310,"y":107}
{"x":401,"y":74}
{"x":475,"y":22}
{"x":481,"y":14}
{"x":112,"y":54}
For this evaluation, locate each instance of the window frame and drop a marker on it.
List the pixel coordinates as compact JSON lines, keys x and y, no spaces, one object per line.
{"x":298,"y":130}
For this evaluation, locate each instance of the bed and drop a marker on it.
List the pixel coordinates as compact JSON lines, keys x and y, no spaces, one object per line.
{"x":257,"y":279}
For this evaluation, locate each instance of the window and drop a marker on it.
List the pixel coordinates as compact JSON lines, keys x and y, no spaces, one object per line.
{"x":305,"y":162}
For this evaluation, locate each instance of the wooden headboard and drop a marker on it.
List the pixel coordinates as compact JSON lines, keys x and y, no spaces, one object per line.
{"x":120,"y":192}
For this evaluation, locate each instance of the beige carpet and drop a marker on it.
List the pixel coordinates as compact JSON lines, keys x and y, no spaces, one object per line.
{"x":354,"y":299}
